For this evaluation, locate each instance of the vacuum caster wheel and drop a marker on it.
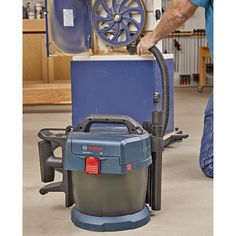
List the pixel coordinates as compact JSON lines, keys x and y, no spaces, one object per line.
{"x":200,"y":89}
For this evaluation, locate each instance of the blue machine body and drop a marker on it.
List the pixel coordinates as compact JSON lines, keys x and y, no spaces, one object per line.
{"x":103,"y":86}
{"x":118,"y":87}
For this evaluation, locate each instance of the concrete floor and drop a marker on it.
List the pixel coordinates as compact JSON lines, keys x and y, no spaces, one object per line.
{"x":187,"y":205}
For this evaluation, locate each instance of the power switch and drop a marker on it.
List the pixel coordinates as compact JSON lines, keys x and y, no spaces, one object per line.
{"x":92,"y":165}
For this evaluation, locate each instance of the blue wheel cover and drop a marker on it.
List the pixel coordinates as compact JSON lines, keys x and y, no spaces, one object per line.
{"x":75,"y":38}
{"x":112,"y":20}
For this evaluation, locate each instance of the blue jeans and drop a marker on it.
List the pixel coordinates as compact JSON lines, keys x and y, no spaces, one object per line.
{"x":206,"y":153}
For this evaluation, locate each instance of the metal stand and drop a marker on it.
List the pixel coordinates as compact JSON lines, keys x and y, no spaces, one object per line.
{"x":176,"y":136}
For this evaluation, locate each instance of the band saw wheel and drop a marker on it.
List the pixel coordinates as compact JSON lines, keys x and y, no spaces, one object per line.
{"x":118,"y":22}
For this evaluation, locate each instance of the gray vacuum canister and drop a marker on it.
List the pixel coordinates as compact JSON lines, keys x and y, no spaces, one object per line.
{"x":109,"y":169}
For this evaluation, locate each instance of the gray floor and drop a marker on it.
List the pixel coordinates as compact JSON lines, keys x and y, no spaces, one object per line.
{"x":187,"y":206}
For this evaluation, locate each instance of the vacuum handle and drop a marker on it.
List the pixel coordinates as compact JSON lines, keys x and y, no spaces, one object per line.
{"x":133,"y":126}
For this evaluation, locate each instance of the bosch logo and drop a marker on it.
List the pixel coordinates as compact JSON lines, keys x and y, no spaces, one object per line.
{"x":85,"y":147}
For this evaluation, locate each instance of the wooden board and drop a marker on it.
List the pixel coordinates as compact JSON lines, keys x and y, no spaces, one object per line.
{"x":34,"y":57}
{"x":47,"y":94}
{"x":59,"y":69}
{"x":36,"y":25}
{"x":45,"y":80}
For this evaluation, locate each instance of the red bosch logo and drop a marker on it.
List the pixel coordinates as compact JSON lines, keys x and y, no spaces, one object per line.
{"x":95,"y":148}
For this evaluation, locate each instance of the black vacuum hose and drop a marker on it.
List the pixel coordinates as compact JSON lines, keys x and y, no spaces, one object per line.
{"x":165,"y":86}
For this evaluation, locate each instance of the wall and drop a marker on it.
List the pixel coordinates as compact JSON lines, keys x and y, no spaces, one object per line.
{"x":197,"y":21}
{"x":33,"y":2}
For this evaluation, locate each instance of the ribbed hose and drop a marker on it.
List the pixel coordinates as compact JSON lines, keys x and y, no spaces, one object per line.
{"x":165,"y":86}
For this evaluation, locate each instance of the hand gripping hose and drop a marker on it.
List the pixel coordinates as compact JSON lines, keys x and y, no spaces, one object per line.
{"x":165,"y":86}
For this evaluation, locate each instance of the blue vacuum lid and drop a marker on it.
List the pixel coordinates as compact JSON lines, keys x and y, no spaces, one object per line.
{"x":116,"y":150}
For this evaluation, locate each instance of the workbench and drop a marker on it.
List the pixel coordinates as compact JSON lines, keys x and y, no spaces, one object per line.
{"x":45,"y":80}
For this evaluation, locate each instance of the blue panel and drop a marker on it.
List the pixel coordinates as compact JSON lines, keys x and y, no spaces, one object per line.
{"x":117,"y":87}
{"x":69,"y":36}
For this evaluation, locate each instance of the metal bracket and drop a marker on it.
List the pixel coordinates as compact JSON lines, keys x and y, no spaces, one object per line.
{"x":176,"y":136}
